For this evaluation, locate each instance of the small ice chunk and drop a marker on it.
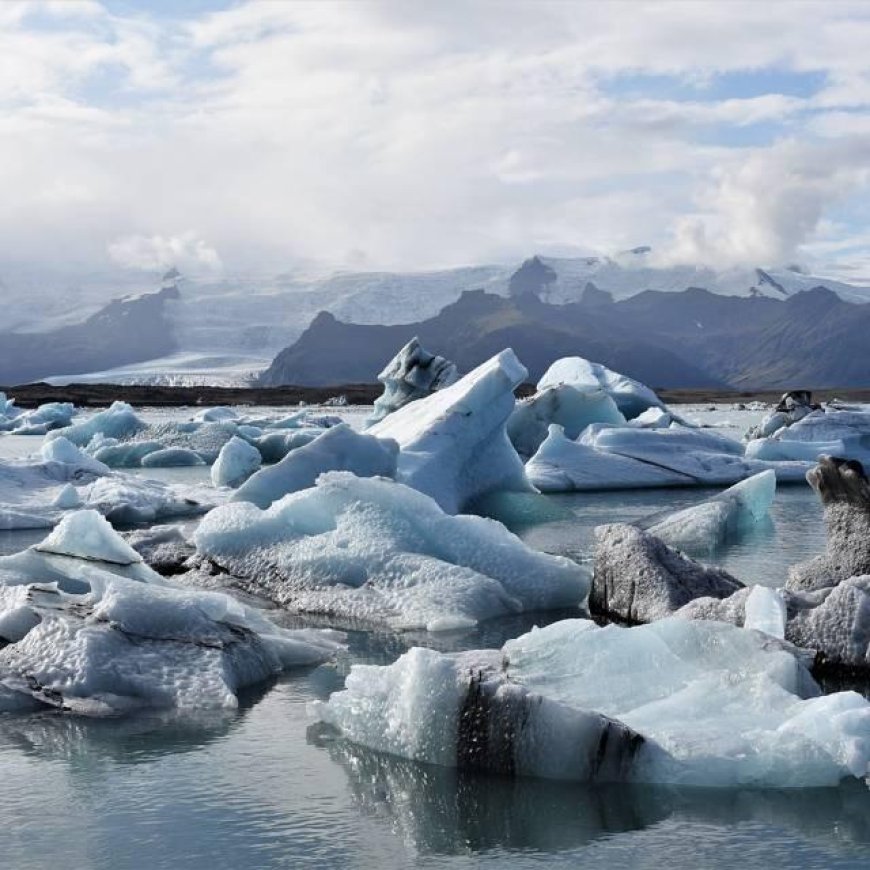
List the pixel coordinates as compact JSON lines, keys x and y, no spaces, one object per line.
{"x":236,"y":462}
{"x":765,"y":611}
{"x":171,"y":457}
{"x":87,"y":534}
{"x":62,"y":450}
{"x":68,"y":498}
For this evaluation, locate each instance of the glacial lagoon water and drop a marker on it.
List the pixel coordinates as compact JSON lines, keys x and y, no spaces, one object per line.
{"x":262,"y":787}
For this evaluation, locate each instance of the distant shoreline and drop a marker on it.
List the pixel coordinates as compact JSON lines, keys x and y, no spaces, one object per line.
{"x":101,"y":395}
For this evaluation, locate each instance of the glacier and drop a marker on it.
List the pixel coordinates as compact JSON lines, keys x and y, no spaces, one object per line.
{"x":376,"y":552}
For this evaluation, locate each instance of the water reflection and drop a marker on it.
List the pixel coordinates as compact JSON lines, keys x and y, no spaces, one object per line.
{"x":134,"y":739}
{"x":447,"y":812}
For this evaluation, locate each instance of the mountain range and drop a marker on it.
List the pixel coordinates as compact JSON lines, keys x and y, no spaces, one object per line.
{"x":692,"y":339}
{"x":623,"y":307}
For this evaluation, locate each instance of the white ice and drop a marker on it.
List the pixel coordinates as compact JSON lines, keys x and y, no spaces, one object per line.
{"x":453,"y":444}
{"x":83,"y":637}
{"x":118,"y":421}
{"x":717,"y":705}
{"x":835,"y":432}
{"x":765,"y":611}
{"x":570,"y":408}
{"x":236,"y":462}
{"x":374,"y":550}
{"x":337,"y":449}
{"x":703,"y":528}
{"x":631,"y":396}
{"x":608,"y":457}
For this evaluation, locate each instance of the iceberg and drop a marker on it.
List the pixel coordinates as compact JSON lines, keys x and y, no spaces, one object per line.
{"x":638,"y":578}
{"x":607,"y":457}
{"x":171,"y":457}
{"x":452,"y":444}
{"x":236,"y":462}
{"x":411,"y":374}
{"x":688,"y":703}
{"x":118,"y":421}
{"x":337,"y":449}
{"x":375,"y":552}
{"x":51,"y":415}
{"x":564,"y":405}
{"x":793,"y":406}
{"x":631,"y":397}
{"x":844,"y":433}
{"x":704,"y":528}
{"x":88,"y":629}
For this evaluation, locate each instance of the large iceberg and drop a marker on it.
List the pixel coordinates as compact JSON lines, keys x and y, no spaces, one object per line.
{"x":844,"y":433}
{"x":627,"y":457}
{"x":453,"y":444}
{"x":373,"y":551}
{"x":88,"y":629}
{"x":690,"y":703}
{"x":630,"y":396}
{"x":411,"y":374}
{"x":337,"y":449}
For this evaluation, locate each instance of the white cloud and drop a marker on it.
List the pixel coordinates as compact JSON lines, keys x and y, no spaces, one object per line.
{"x":284,"y":131}
{"x":765,"y":207}
{"x":186,"y":252}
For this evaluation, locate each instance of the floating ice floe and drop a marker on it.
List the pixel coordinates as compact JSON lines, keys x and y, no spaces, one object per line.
{"x":35,"y":494}
{"x":453,"y":444}
{"x":89,"y":629}
{"x":793,"y":406}
{"x":626,"y":457}
{"x":236,"y":462}
{"x":337,"y":449}
{"x":704,"y":528}
{"x":51,"y":415}
{"x":703,"y":704}
{"x":799,"y":429}
{"x":374,"y":551}
{"x":411,"y":374}
{"x":117,"y":421}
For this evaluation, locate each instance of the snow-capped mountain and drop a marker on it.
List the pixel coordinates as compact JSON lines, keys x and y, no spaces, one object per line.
{"x":225,"y":328}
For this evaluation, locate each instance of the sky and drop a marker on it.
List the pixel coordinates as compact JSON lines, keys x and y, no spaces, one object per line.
{"x":235,"y":136}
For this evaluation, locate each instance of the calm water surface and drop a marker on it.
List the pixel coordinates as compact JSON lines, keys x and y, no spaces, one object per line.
{"x":263,"y":787}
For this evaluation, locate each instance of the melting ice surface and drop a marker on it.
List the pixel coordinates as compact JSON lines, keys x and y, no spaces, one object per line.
{"x":250,"y":788}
